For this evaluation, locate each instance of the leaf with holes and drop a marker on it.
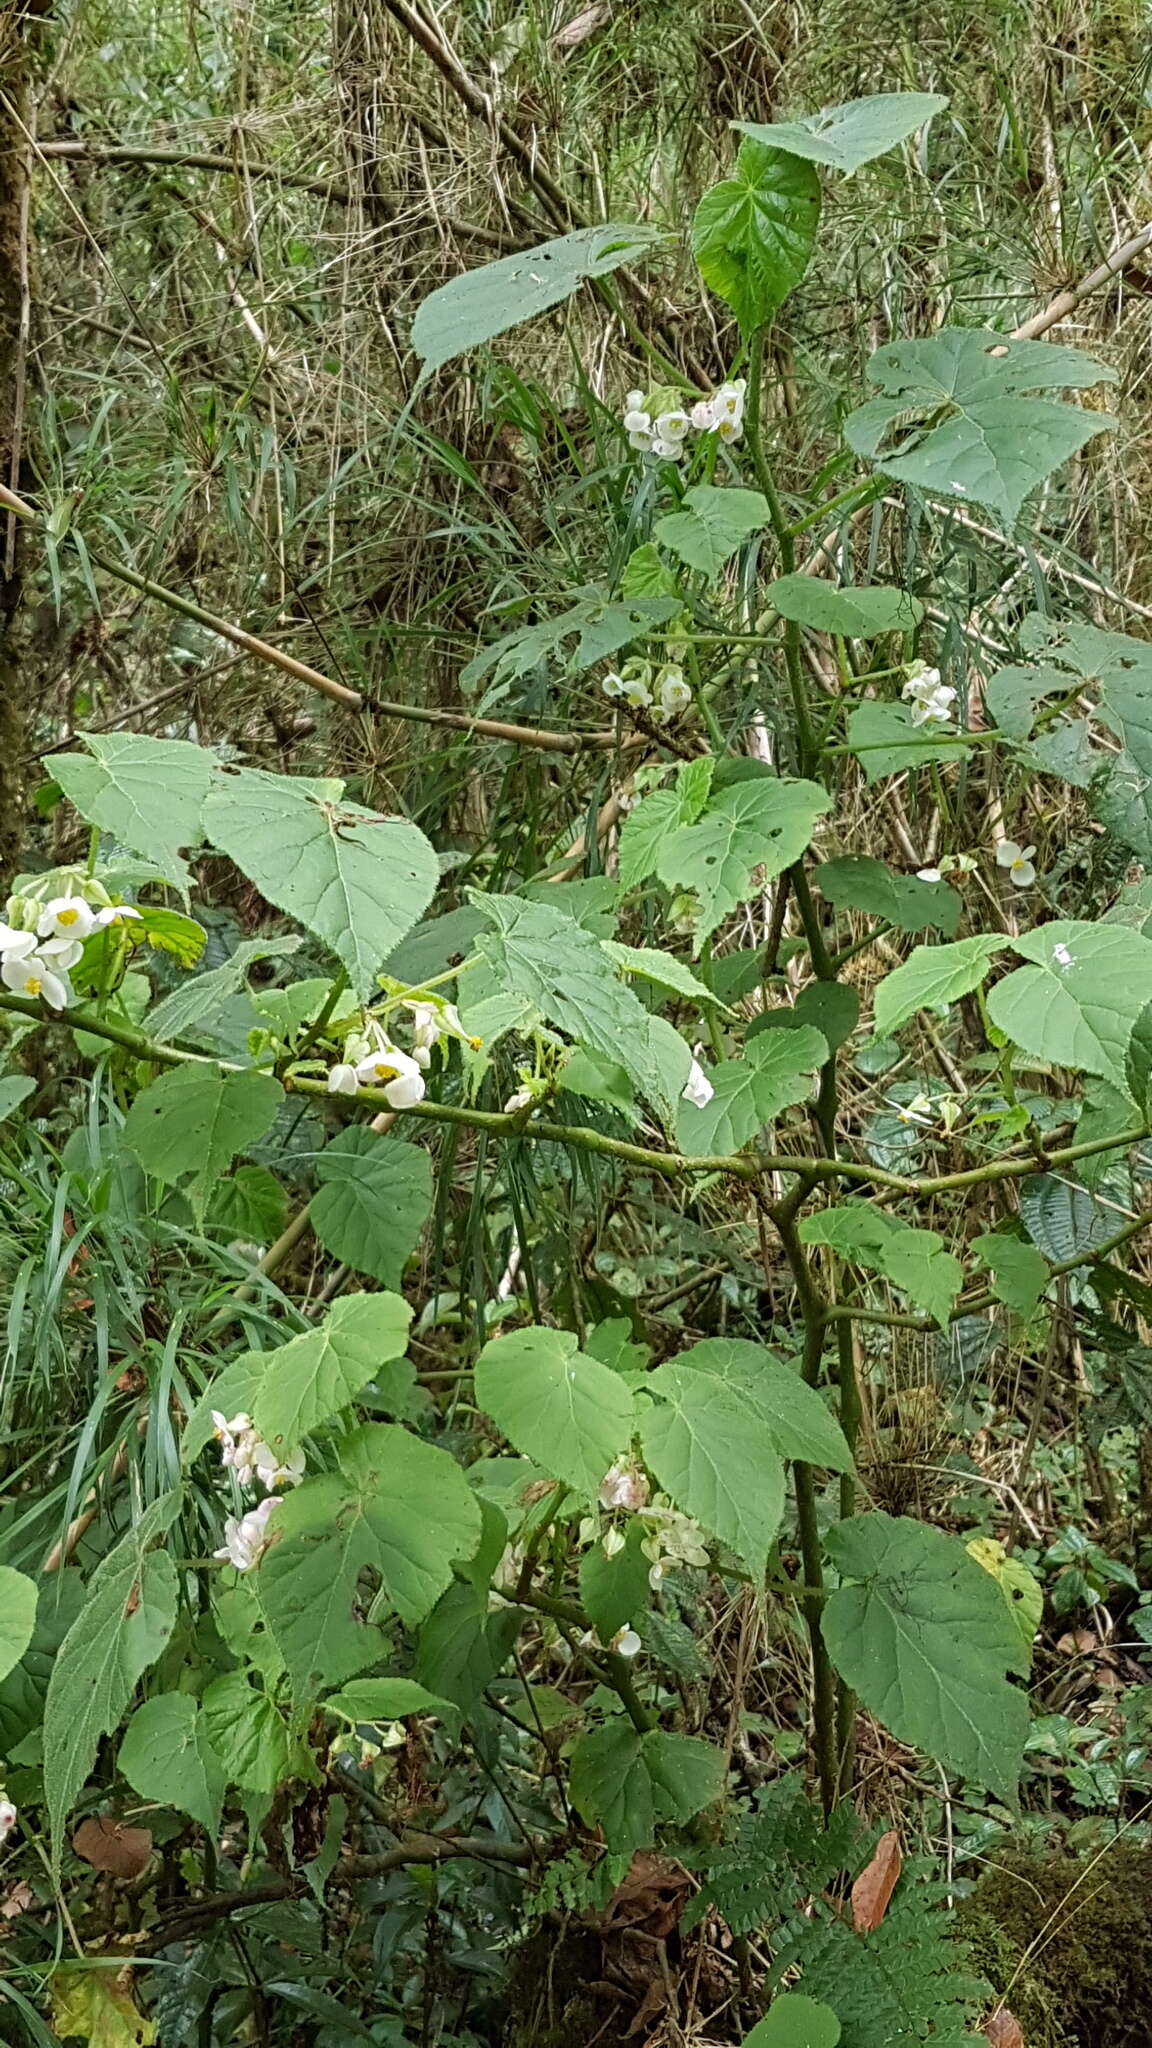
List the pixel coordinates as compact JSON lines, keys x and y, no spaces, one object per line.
{"x":932,"y":977}
{"x":778,"y":1069}
{"x":855,"y":612}
{"x":187,"y":1127}
{"x":372,"y":1202}
{"x":147,"y":794}
{"x":358,"y":882}
{"x":996,"y":441}
{"x":850,"y":135}
{"x":474,"y":308}
{"x":748,"y":834}
{"x":754,"y":233}
{"x":924,"y":1636}
{"x":398,"y":1507}
{"x":556,"y":1404}
{"x":711,"y":525}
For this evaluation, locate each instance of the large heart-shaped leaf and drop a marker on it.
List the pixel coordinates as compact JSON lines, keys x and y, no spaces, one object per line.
{"x":932,"y":977}
{"x":995,"y":441}
{"x":1078,"y":1004}
{"x":921,"y":1632}
{"x":556,"y":1404}
{"x":856,"y":612}
{"x":711,"y":525}
{"x":372,"y":1202}
{"x":754,"y":827}
{"x":856,"y":882}
{"x":166,"y":1754}
{"x":754,"y":233}
{"x":188,"y":1126}
{"x":17,"y":1617}
{"x":715,"y":1456}
{"x":357,"y":881}
{"x":777,"y":1069}
{"x":474,"y":308}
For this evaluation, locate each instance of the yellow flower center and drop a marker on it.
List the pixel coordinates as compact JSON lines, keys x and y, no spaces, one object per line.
{"x":34,"y":985}
{"x":67,"y":916}
{"x":386,"y":1073}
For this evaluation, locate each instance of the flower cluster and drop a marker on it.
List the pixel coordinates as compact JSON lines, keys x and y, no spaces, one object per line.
{"x":245,"y":1453}
{"x":656,"y":424}
{"x":670,"y":1538}
{"x":663,"y":691}
{"x":931,"y":700}
{"x":372,"y":1061}
{"x":38,"y":962}
{"x":949,"y":864}
{"x":624,"y":1485}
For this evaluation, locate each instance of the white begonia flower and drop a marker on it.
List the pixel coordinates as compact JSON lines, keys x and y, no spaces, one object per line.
{"x":929,"y":875}
{"x":673,"y":426}
{"x":342,"y":1080}
{"x":1018,"y":862}
{"x":67,"y":917}
{"x":633,"y":689}
{"x":638,"y":427}
{"x":8,"y":1818}
{"x":237,"y":1440}
{"x":697,"y":1089}
{"x":272,"y":1471}
{"x":36,"y":974}
{"x":396,"y":1073}
{"x":245,"y":1539}
{"x":520,"y":1100}
{"x":613,"y":1542}
{"x":626,"y":1642}
{"x":634,"y":402}
{"x":116,"y":913}
{"x":1061,"y":955}
{"x":728,"y":410}
{"x":15,"y":942}
{"x":931,"y":700}
{"x":918,"y":1111}
{"x":427,"y":1026}
{"x":624,"y":1485}
{"x":674,"y":692}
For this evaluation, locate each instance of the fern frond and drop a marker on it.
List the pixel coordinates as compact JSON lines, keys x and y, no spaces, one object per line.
{"x":783,"y":1853}
{"x":907,"y":1982}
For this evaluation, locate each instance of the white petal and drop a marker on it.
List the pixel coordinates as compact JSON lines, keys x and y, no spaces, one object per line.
{"x":928,"y":875}
{"x":1007,"y":852}
{"x":342,"y":1080}
{"x":697,"y":1089}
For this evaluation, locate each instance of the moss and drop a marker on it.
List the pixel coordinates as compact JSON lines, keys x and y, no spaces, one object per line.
{"x":1069,"y":1942}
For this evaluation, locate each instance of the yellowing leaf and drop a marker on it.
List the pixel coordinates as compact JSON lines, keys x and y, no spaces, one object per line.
{"x":97,"y":2006}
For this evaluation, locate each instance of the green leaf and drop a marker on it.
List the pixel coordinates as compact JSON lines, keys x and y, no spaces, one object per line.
{"x":126,"y":1005}
{"x":1078,"y":1005}
{"x":248,"y":1734}
{"x":754,"y":233}
{"x":372,"y":1202}
{"x":922,"y":1634}
{"x":995,"y":443}
{"x":251,"y":1204}
{"x":645,"y":575}
{"x":856,"y":882}
{"x":794,"y":2021}
{"x":603,"y":625}
{"x":22,"y":1693}
{"x":797,"y":1421}
{"x":749,"y":833}
{"x":198,"y":1001}
{"x":166,"y":1755}
{"x":778,"y":1069}
{"x":388,"y":1699}
{"x":885,"y":741}
{"x":1064,"y":1222}
{"x":712,"y":526}
{"x":399,"y":1507}
{"x":1021,"y":1589}
{"x":463,"y":1645}
{"x":356,"y":881}
{"x":147,"y":794}
{"x":167,"y":931}
{"x":916,"y":1262}
{"x":14,"y":1089}
{"x":646,"y":830}
{"x":856,"y":611}
{"x":17,"y":1617}
{"x":1012,"y":694}
{"x":932,"y":977}
{"x":317,"y":1374}
{"x":610,"y":1786}
{"x":614,"y":1590}
{"x":831,"y":1007}
{"x":474,"y":308}
{"x":1019,"y":1275}
{"x":687,"y":1774}
{"x":663,"y":970}
{"x":852,"y":134}
{"x":555,"y":1404}
{"x":567,"y":975}
{"x":122,"y":1628}
{"x":717,"y":1461}
{"x":187,"y":1127}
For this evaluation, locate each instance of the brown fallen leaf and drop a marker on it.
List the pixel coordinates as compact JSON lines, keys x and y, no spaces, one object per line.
{"x":1003,"y":2030}
{"x":581,"y":27}
{"x":108,"y":1845}
{"x":876,"y":1884}
{"x":16,"y":1901}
